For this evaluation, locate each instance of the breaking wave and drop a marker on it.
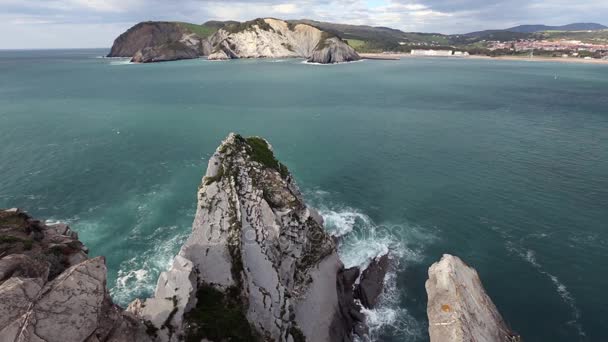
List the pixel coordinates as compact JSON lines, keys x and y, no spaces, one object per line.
{"x":138,"y":275}
{"x":360,"y":241}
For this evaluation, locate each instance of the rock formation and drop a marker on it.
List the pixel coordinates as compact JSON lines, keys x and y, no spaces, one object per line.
{"x":459,"y":309}
{"x":50,"y":291}
{"x":273,"y":38}
{"x":259,"y":252}
{"x":371,"y":282}
{"x":260,"y":38}
{"x":154,"y":34}
{"x":164,"y":53}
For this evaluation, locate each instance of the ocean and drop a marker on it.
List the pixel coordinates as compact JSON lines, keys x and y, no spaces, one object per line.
{"x":503,"y":163}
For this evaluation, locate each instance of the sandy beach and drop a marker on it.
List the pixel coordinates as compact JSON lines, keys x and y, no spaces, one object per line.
{"x":398,"y":56}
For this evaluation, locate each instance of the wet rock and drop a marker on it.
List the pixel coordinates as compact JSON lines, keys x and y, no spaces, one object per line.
{"x":371,"y":283}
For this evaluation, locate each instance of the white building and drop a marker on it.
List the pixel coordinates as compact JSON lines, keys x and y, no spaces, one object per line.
{"x":432,"y":53}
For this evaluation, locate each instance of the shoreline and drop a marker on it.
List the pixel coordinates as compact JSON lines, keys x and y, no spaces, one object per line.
{"x":399,"y":56}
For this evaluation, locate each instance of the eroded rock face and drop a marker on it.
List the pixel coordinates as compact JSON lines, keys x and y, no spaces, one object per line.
{"x":459,"y":309}
{"x":273,"y":38}
{"x":259,"y":252}
{"x":333,"y":50}
{"x":144,"y":35}
{"x":50,"y":291}
{"x":165,"y":53}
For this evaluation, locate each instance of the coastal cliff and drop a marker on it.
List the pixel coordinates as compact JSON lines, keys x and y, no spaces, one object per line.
{"x":273,"y":38}
{"x":261,"y":38}
{"x":459,"y":309}
{"x":257,"y":250}
{"x":257,"y":266}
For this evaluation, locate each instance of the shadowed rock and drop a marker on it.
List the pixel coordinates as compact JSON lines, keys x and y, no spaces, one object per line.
{"x":333,"y":50}
{"x":371,"y":283}
{"x":165,"y":53}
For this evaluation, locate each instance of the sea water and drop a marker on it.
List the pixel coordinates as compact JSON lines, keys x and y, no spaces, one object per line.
{"x":502,"y":163}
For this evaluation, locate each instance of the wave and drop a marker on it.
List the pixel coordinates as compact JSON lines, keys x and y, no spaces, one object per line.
{"x":529,"y":256}
{"x":360,"y":241}
{"x":136,"y":277}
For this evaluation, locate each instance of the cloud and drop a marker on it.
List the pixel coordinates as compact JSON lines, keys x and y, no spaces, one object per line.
{"x":100,"y":19}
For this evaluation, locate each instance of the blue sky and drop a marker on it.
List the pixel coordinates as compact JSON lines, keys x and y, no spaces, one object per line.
{"x":95,"y":23}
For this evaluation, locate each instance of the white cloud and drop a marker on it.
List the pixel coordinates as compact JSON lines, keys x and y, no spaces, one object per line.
{"x":51,"y":18}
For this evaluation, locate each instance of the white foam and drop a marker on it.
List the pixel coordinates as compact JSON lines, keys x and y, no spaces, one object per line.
{"x":360,"y":241}
{"x":137,"y":276}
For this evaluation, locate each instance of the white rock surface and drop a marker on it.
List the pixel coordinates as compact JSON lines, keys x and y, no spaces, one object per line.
{"x":252,"y":232}
{"x":459,"y":310}
{"x":273,"y":38}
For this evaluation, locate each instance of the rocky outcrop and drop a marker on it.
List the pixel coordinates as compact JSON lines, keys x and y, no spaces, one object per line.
{"x":50,"y":291}
{"x":371,"y":283}
{"x":333,"y":50}
{"x":164,"y":53}
{"x":260,"y":38}
{"x":459,"y":310}
{"x":257,"y":251}
{"x":162,"y":41}
{"x":273,"y":38}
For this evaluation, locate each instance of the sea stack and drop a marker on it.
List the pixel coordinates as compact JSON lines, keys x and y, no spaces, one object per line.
{"x":258,"y":264}
{"x":459,"y":310}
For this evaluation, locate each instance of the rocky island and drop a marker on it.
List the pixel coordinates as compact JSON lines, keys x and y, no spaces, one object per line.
{"x":261,"y":38}
{"x":258,"y":266}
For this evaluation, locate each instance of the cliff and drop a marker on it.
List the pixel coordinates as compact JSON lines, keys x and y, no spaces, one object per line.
{"x":459,"y":309}
{"x":273,"y":38}
{"x":260,"y":38}
{"x":165,"y":53}
{"x":257,"y":250}
{"x":50,"y":291}
{"x":258,"y":266}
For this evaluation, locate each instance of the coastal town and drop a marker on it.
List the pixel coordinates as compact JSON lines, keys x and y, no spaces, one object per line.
{"x":563,"y":48}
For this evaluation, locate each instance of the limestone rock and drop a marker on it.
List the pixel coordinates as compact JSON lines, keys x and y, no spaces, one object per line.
{"x":333,"y":50}
{"x":459,"y":310}
{"x":273,"y":38}
{"x":50,"y":291}
{"x":259,"y":252}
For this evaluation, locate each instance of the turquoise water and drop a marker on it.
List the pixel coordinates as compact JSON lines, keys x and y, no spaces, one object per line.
{"x":502,"y":163}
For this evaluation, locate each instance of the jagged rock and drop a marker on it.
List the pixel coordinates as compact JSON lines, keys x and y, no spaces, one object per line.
{"x":50,"y":292}
{"x":459,"y":310}
{"x":371,"y":283}
{"x":258,"y":252}
{"x":260,"y":38}
{"x":273,"y":38}
{"x":333,"y":50}
{"x":164,"y":53}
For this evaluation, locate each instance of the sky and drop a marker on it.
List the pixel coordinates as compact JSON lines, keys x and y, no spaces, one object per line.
{"x":43,"y":24}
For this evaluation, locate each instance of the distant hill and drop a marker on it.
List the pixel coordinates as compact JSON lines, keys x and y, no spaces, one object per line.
{"x":569,"y":27}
